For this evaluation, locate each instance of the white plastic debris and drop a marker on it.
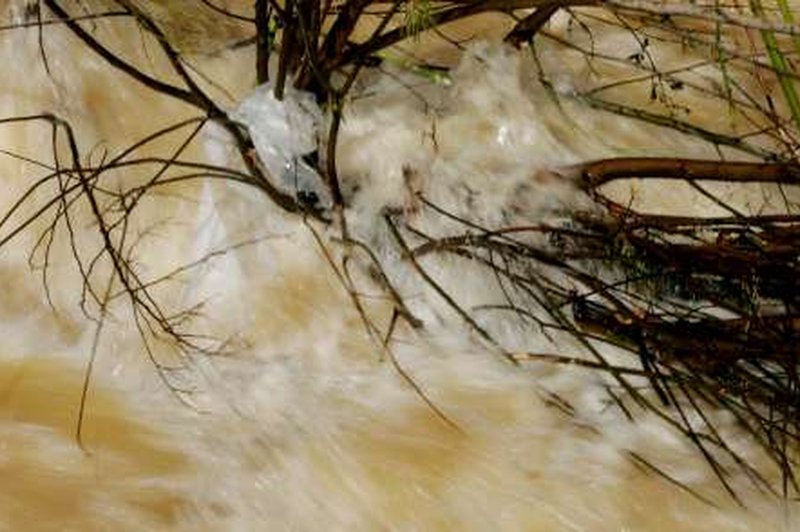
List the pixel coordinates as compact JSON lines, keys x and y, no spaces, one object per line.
{"x":283,"y":131}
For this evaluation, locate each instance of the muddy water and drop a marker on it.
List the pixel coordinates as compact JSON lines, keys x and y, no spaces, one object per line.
{"x":306,"y":425}
{"x":49,"y":483}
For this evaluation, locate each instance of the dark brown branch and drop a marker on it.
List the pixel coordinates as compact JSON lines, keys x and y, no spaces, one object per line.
{"x":263,"y":40}
{"x":527,"y":28}
{"x":598,"y":173}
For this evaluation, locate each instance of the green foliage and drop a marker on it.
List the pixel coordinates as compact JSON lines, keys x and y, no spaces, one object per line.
{"x":418,"y":16}
{"x":778,"y":60}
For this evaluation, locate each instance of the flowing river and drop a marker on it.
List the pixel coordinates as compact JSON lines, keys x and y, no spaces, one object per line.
{"x":300,"y":419}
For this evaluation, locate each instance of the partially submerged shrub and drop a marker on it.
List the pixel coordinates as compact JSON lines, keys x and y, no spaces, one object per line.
{"x":706,"y":308}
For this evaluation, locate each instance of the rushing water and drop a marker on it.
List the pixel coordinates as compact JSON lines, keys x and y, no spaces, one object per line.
{"x":306,"y":424}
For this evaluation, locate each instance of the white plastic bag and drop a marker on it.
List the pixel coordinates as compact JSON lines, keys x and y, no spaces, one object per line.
{"x":283,"y":132}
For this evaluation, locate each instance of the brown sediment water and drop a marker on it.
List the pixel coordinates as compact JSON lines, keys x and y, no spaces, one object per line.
{"x":306,"y":425}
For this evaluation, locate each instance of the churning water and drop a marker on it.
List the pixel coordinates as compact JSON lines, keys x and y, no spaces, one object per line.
{"x":306,"y":423}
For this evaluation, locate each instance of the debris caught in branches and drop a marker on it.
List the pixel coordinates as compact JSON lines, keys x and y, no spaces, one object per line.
{"x":705,"y":309}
